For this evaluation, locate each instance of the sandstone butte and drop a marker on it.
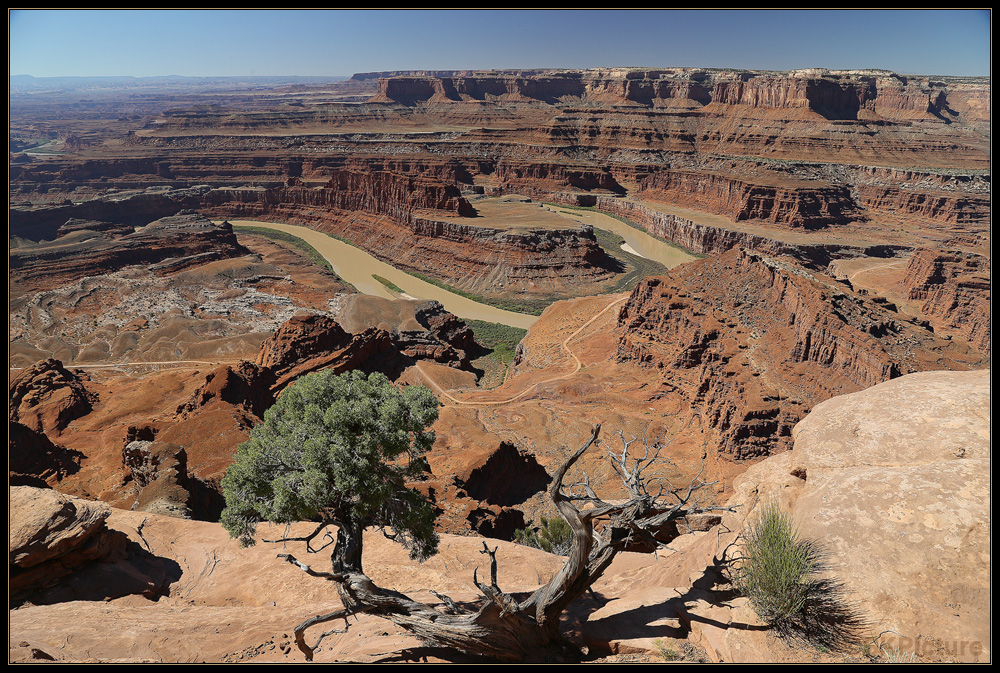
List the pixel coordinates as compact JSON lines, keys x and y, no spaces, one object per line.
{"x":828,"y":347}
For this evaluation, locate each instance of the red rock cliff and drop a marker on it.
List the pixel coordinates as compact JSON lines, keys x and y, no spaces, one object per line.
{"x":956,"y":288}
{"x":166,"y":245}
{"x":479,"y":259}
{"x":791,"y":205}
{"x":830,"y":94}
{"x":755,"y":342}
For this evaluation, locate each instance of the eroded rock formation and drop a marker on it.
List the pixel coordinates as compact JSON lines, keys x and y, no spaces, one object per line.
{"x":799,"y":169}
{"x":414,"y":221}
{"x":506,"y":477}
{"x":456,"y":251}
{"x":955,"y":289}
{"x":173,"y":462}
{"x":169,"y":244}
{"x":61,"y":550}
{"x":33,"y":459}
{"x":833,"y":94}
{"x":309,"y":344}
{"x":42,"y":222}
{"x":159,"y":470}
{"x":756,"y":342}
{"x":47,"y":397}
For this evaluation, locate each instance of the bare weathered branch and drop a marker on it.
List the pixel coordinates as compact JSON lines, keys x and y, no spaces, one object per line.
{"x":631,"y":468}
{"x":501,"y":627}
{"x":504,"y":601}
{"x":555,"y":491}
{"x":455,"y":609}
{"x":307,"y":539}
{"x":300,"y":630}
{"x":334,"y":577}
{"x":588,"y":491}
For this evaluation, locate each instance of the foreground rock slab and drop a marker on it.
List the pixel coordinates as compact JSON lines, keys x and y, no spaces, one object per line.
{"x":898,"y":488}
{"x":894,"y":482}
{"x":61,"y":549}
{"x":227,"y":604}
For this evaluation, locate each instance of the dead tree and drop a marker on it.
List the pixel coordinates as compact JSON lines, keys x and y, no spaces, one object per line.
{"x":503,"y":628}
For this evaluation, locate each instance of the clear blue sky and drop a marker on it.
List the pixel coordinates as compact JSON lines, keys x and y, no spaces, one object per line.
{"x":342,"y":42}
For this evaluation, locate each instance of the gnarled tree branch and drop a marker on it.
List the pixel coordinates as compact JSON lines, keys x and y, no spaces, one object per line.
{"x":307,"y":538}
{"x":502,"y":628}
{"x":300,"y":630}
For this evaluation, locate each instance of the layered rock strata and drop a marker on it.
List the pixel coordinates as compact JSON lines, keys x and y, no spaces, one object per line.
{"x":955,"y":288}
{"x":416,"y":223}
{"x":217,"y":311}
{"x":167,"y":245}
{"x":159,"y":470}
{"x":793,"y":205}
{"x":47,"y":397}
{"x":711,"y":240}
{"x":43,"y":222}
{"x":813,"y":164}
{"x":788,"y":197}
{"x":456,"y":251}
{"x":843,"y":95}
{"x":945,"y":207}
{"x":61,"y":549}
{"x":755,"y":342}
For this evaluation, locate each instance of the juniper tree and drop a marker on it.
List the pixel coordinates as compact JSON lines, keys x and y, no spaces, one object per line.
{"x":339,"y":450}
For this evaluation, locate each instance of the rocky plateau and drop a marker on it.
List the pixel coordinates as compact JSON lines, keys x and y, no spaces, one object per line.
{"x":827,"y":347}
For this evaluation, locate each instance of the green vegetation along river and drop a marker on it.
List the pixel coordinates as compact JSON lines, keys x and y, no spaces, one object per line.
{"x":357,"y":267}
{"x":369,"y":275}
{"x":637,"y":241}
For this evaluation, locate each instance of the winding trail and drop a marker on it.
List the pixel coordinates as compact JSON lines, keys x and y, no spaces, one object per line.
{"x":893,"y":264}
{"x":533,"y":387}
{"x":419,"y":366}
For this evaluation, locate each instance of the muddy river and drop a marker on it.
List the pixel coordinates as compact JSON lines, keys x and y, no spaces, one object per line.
{"x":637,"y":242}
{"x":357,"y":267}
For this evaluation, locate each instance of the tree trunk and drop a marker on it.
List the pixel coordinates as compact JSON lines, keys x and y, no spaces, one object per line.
{"x":502,"y":628}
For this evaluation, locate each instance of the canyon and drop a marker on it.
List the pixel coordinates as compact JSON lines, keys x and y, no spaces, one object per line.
{"x":830,"y":235}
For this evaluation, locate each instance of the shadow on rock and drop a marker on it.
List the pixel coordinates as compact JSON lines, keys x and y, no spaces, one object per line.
{"x":62,"y":550}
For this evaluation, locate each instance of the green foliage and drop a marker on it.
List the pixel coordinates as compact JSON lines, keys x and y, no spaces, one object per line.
{"x":499,"y":338}
{"x":783,"y":575}
{"x":500,"y":342}
{"x":336,"y":448}
{"x":893,"y":655}
{"x":674,"y":649}
{"x":389,"y":284}
{"x":528,"y":306}
{"x":775,"y":567}
{"x":554,"y":536}
{"x":666,"y":650}
{"x":312,"y":253}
